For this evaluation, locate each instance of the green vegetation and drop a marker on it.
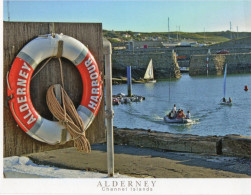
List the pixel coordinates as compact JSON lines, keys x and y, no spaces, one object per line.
{"x":200,"y":37}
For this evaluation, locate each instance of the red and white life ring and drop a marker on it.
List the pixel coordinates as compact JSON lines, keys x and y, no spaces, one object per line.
{"x":19,"y":79}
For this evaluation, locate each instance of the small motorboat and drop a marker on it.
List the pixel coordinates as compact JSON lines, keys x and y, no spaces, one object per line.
{"x":177,"y":120}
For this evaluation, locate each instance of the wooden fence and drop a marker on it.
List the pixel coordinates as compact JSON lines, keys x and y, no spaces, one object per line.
{"x":18,"y":34}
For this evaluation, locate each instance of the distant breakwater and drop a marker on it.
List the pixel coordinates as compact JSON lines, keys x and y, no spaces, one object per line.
{"x":229,"y":145}
{"x":237,"y":63}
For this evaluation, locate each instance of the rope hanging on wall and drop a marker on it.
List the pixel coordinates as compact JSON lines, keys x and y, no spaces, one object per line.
{"x":67,"y":113}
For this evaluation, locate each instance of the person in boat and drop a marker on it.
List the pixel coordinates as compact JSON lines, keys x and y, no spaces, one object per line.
{"x":230,"y":100}
{"x":188,"y":116}
{"x":169,"y":115}
{"x":177,"y":114}
{"x":224,"y":99}
{"x":174,"y":108}
{"x":180,"y":114}
{"x":172,"y":115}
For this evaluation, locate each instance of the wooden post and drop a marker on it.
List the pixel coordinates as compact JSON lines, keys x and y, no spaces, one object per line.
{"x":129,"y":81}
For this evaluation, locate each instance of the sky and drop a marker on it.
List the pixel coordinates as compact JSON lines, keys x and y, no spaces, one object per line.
{"x":138,"y":15}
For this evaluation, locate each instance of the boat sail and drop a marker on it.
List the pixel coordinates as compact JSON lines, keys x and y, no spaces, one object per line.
{"x":224,"y":101}
{"x":149,"y":76}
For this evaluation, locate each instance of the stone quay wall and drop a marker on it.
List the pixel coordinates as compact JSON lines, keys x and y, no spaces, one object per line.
{"x":189,"y":52}
{"x":164,"y":63}
{"x":237,"y":63}
{"x":229,"y":145}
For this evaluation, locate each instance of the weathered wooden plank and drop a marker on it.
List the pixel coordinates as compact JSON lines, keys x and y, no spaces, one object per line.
{"x":16,"y":35}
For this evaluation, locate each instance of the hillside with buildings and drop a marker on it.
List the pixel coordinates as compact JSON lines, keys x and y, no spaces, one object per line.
{"x":121,"y":39}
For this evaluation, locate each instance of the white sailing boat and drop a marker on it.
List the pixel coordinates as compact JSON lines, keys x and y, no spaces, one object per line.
{"x":149,"y":76}
{"x":224,"y":100}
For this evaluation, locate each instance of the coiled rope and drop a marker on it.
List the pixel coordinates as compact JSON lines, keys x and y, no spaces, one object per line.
{"x":68,"y":116}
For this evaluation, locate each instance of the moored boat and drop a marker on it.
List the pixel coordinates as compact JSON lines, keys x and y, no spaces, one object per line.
{"x":121,"y":98}
{"x":184,"y":69}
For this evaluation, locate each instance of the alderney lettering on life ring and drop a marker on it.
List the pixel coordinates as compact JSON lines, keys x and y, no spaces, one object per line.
{"x":19,"y":85}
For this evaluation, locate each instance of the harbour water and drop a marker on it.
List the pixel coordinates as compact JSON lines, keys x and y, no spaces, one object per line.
{"x":200,"y":95}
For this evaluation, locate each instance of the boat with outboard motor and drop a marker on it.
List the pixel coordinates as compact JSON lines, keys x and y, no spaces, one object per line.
{"x":177,"y":117}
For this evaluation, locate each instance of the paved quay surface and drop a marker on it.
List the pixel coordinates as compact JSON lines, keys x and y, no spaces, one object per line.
{"x":147,"y":163}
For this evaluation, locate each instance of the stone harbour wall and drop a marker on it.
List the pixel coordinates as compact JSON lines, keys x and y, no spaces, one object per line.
{"x":230,"y":145}
{"x":164,"y":63}
{"x":237,"y":63}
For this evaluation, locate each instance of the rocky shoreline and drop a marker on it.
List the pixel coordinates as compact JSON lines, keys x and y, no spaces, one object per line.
{"x":229,"y":145}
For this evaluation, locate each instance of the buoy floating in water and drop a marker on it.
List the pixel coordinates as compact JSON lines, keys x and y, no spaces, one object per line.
{"x":246,"y":88}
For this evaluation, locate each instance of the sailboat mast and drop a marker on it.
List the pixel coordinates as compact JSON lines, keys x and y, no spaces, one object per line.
{"x":224,"y":84}
{"x":169,"y":85}
{"x":8,"y":9}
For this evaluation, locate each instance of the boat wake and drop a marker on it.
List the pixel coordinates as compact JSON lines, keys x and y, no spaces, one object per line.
{"x":157,"y":117}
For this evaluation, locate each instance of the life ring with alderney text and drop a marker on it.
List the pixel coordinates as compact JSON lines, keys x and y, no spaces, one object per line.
{"x":19,"y":80}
